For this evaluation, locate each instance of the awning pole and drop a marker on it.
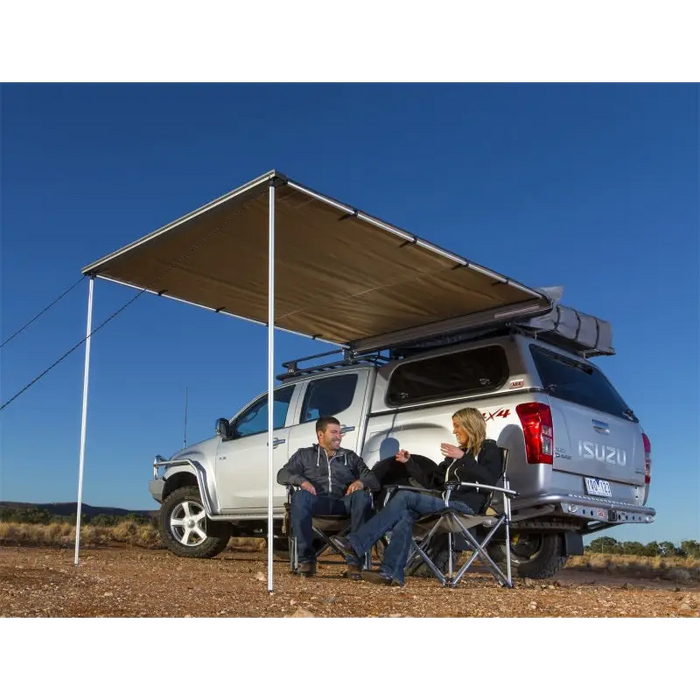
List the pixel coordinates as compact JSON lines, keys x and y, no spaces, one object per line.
{"x":270,"y":378}
{"x":83,"y":427}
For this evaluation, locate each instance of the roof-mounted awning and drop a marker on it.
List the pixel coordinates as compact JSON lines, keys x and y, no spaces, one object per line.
{"x":340,"y":275}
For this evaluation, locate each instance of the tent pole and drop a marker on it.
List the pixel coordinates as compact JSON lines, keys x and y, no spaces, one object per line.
{"x":83,"y":426}
{"x":270,"y":378}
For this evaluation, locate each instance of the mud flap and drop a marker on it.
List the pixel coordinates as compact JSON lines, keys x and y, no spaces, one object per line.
{"x":572,"y":544}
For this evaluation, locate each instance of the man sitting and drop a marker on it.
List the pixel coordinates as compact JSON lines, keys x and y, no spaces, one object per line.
{"x":332,"y":482}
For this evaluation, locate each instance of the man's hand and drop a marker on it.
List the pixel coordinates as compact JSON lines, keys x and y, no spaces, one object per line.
{"x":451,"y":451}
{"x":403,"y":456}
{"x":308,"y":486}
{"x":355,"y":486}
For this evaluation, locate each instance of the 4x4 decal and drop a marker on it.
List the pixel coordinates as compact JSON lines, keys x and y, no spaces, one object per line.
{"x":498,"y":413}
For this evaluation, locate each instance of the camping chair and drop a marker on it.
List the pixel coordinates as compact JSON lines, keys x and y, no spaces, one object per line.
{"x":494,"y":515}
{"x":322,"y":526}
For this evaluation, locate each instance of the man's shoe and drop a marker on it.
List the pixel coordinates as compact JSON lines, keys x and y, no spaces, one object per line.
{"x":307,"y":568}
{"x":354,"y":572}
{"x":344,"y":547}
{"x":380,"y":578}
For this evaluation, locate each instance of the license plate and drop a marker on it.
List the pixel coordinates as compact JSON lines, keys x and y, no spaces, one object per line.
{"x":598,"y":487}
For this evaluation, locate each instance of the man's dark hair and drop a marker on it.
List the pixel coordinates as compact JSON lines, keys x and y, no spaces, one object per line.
{"x":324,"y":421}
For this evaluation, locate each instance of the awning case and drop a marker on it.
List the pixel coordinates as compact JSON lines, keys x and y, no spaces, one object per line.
{"x":340,"y":274}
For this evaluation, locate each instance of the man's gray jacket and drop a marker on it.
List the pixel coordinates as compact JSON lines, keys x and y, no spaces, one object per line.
{"x":329,"y":476}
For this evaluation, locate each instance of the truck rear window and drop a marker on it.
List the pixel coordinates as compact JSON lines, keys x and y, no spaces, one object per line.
{"x":578,"y":382}
{"x":456,"y":374}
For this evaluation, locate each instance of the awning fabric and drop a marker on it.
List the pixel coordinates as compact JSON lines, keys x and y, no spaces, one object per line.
{"x":340,"y":274}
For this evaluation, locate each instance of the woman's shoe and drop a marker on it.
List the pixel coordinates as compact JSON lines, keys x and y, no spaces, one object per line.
{"x":380,"y":578}
{"x":344,"y":547}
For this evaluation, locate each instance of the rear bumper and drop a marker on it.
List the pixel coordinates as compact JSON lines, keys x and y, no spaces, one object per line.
{"x":602,"y":510}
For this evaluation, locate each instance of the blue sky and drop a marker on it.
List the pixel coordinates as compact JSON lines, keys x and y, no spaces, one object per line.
{"x":594,"y":187}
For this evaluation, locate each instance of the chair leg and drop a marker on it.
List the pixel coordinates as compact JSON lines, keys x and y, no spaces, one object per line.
{"x":508,"y":568}
{"x":328,"y":544}
{"x":419,"y":551}
{"x":429,"y":563}
{"x":480,"y":551}
{"x":449,"y":554}
{"x":293,"y":563}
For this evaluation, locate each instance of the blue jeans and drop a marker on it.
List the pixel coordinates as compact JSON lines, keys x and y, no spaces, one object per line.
{"x":305,"y":505}
{"x":398,"y":516}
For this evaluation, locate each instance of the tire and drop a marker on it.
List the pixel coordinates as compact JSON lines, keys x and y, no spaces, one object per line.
{"x":537,"y":555}
{"x":186,"y":531}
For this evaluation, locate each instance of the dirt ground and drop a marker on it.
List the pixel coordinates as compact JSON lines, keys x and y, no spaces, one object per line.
{"x":133,"y":582}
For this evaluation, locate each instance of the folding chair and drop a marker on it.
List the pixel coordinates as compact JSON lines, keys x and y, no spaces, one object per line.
{"x":320,"y":524}
{"x":494,"y":515}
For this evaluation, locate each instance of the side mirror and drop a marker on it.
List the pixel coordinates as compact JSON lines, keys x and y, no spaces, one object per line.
{"x":223,"y":428}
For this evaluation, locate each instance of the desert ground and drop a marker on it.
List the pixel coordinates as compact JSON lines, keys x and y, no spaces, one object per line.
{"x":127,"y":581}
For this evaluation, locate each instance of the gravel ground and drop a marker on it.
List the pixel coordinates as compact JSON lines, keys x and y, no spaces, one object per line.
{"x":133,"y":582}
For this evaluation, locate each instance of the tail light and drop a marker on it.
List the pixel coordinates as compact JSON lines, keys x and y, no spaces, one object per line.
{"x":536,"y":419}
{"x":647,"y":458}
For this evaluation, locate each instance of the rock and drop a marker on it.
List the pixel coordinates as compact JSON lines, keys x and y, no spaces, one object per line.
{"x":301,"y":614}
{"x":260,"y":576}
{"x":532,"y":605}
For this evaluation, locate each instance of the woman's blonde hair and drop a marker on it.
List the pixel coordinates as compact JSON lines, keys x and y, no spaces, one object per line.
{"x":475,"y":425}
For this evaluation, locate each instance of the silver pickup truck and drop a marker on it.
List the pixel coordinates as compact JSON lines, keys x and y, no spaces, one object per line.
{"x":578,"y":457}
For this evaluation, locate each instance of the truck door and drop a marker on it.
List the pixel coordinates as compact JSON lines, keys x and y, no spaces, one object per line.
{"x":242,"y":462}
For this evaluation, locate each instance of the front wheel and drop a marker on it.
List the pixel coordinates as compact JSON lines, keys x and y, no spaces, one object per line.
{"x":184,"y":528}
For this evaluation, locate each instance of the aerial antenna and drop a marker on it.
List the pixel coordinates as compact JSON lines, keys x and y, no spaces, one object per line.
{"x":185,"y":442}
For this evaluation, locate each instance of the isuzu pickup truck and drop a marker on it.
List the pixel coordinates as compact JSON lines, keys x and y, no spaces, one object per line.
{"x":578,"y":456}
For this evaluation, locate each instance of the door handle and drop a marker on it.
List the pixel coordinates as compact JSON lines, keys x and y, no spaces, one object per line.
{"x":601,"y":427}
{"x":278,"y":441}
{"x":347,"y":429}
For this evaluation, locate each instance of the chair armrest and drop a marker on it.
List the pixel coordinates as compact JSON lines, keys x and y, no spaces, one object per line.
{"x":397,"y":487}
{"x":291,"y":488}
{"x":486,"y":487}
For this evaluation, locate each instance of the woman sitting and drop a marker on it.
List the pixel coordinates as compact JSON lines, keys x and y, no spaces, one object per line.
{"x":475,"y":460}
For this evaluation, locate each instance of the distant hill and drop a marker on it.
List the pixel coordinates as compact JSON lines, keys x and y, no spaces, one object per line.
{"x":67,"y":509}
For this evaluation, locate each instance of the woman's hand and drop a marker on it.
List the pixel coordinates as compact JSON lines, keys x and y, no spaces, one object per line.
{"x":451,"y":451}
{"x":403,"y":456}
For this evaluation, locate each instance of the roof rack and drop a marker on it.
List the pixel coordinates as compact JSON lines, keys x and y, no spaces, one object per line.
{"x":563,"y":327}
{"x":405,"y":350}
{"x":349,"y":358}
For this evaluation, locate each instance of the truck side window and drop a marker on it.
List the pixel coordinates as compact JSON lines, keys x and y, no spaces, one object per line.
{"x":457,"y":374}
{"x":328,"y":397}
{"x":254,"y":420}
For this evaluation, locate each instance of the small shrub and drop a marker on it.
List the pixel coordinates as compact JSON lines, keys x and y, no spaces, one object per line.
{"x":8,"y":531}
{"x":677,"y":574}
{"x":639,"y":566}
{"x":247,"y":544}
{"x":148,"y":536}
{"x":52,"y":533}
{"x":125,"y":531}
